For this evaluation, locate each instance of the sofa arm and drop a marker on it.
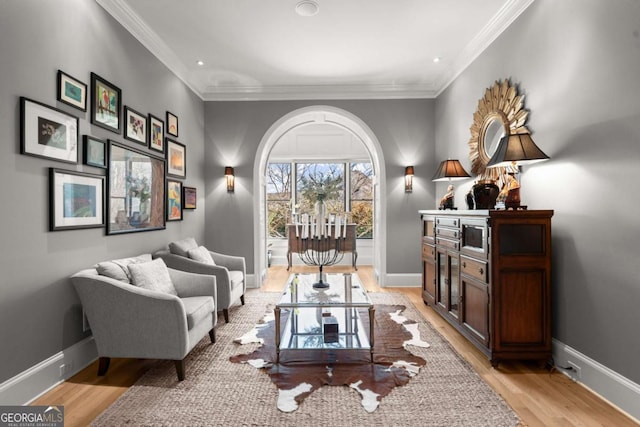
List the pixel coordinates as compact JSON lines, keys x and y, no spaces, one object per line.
{"x":192,"y":284}
{"x":128,"y":321}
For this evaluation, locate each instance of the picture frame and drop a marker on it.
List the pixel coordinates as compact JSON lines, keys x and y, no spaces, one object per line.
{"x":72,"y":91}
{"x":174,"y":200}
{"x":94,"y":152}
{"x":172,"y":124}
{"x":135,"y":126}
{"x":76,"y":200}
{"x":135,"y":189}
{"x":176,"y":159}
{"x":106,"y":104}
{"x":156,"y":134}
{"x":48,"y":132}
{"x":189,"y":197}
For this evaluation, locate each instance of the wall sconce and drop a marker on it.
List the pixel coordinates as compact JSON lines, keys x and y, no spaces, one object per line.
{"x":449,"y":170}
{"x":228,"y":174}
{"x":408,"y":179}
{"x":514,"y":150}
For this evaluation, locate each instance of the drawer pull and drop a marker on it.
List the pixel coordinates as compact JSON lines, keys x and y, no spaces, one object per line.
{"x":464,"y":264}
{"x":481,"y":270}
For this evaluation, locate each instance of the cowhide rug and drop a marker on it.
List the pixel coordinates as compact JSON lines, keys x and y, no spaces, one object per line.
{"x":300,"y":373}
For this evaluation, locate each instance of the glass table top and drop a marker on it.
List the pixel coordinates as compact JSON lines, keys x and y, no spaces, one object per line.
{"x":345,"y":290}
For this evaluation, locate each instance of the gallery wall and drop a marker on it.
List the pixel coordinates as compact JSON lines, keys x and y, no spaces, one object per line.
{"x":404,"y":128}
{"x":578,"y":64}
{"x":40,"y":314}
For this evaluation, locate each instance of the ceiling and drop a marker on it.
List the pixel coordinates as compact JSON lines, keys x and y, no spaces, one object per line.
{"x":351,"y":49}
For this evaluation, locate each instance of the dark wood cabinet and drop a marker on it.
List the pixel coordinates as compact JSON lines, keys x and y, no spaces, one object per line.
{"x":488,"y":273}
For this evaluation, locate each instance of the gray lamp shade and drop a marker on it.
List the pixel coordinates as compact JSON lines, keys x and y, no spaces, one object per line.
{"x":450,"y":170}
{"x":517,"y":148}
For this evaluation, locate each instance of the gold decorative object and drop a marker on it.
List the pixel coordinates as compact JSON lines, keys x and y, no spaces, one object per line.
{"x":500,"y":112}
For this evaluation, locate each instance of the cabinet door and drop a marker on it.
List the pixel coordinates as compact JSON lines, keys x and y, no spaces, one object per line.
{"x":475,"y":308}
{"x":453,"y":288}
{"x":442,"y":283}
{"x":429,"y":282}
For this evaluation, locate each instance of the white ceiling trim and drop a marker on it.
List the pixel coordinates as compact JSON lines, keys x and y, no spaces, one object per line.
{"x":127,"y":17}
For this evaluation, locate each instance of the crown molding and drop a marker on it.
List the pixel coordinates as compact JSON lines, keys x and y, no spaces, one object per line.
{"x":127,"y":17}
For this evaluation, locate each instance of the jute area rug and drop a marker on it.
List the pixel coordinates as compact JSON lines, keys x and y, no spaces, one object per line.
{"x":217,"y":392}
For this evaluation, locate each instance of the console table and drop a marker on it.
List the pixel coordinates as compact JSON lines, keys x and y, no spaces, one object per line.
{"x":349,"y":244}
{"x":488,"y":273}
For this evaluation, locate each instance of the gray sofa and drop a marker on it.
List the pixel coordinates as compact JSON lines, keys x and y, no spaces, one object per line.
{"x":230,"y":271}
{"x":131,"y":319}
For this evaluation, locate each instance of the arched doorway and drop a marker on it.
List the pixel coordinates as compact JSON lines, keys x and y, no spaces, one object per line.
{"x":337,"y":117}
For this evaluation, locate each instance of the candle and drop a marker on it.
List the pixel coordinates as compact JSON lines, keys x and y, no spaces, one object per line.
{"x":344,"y":230}
{"x":336,"y":228}
{"x":297,"y":228}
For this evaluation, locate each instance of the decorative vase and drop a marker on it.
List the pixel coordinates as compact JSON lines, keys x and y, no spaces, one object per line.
{"x":485,"y":193}
{"x":321,"y":209}
{"x":469,"y":198}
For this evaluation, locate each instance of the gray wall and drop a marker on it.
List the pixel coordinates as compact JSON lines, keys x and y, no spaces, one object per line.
{"x":39,"y":312}
{"x":578,"y":62}
{"x":404,"y":128}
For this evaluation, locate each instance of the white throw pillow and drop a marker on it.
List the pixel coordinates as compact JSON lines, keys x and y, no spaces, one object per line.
{"x":152,"y":275}
{"x":181,"y":247}
{"x":201,"y":254}
{"x":119,"y":268}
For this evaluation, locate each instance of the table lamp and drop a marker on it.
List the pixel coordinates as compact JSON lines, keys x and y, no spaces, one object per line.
{"x":514,"y":150}
{"x":449,"y":170}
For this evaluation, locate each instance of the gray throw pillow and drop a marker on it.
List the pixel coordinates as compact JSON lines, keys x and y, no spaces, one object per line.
{"x":201,"y":254}
{"x":182,"y":247}
{"x":153,"y":275}
{"x":119,"y":268}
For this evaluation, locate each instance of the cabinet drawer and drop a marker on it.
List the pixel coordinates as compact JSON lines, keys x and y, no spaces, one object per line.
{"x":474,"y":268}
{"x":448,"y":232}
{"x":447,"y":243}
{"x":428,"y":252}
{"x":448,"y":222}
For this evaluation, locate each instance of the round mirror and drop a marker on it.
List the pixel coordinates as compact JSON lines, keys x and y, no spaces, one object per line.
{"x":499,"y":112}
{"x":494,"y":131}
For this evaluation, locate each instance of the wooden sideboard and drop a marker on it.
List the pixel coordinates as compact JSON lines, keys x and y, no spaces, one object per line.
{"x":349,"y":245}
{"x":488,"y":273}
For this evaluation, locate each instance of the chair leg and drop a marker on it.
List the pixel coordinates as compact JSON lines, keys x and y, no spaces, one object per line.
{"x":242,"y":299}
{"x":180,"y":369}
{"x":225,"y":312}
{"x":212,"y":335}
{"x":103,"y":365}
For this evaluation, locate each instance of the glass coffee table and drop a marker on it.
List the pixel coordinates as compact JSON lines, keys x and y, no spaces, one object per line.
{"x":324,"y":319}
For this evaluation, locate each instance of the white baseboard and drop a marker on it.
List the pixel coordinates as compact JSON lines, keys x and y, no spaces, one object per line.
{"x":403,"y":280}
{"x":37,"y":380}
{"x":251,"y":281}
{"x":611,"y":386}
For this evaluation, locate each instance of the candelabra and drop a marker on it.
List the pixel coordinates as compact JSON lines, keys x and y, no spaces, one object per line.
{"x":320,"y":251}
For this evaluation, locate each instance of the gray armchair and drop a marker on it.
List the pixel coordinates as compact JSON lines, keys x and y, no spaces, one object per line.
{"x":134,"y":322}
{"x":230,"y":271}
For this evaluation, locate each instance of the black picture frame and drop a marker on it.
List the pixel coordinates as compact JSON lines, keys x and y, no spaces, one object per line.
{"x":48,"y":132}
{"x":76,"y":200}
{"x":174,"y":200}
{"x":136,"y":126}
{"x":72,"y":91}
{"x":106,"y":104}
{"x":172,"y":124}
{"x":156,"y":134}
{"x":94,"y":152}
{"x":189,"y":197}
{"x":136,"y":190}
{"x":176,"y":155}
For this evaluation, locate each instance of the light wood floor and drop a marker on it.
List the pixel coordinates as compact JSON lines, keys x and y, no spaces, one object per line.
{"x":539,"y":397}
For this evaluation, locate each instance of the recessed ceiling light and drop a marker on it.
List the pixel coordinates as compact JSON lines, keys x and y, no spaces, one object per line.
{"x":436,"y":59}
{"x":200,"y":63}
{"x":307,"y":8}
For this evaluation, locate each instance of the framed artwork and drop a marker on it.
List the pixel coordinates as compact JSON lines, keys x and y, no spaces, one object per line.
{"x":174,"y":200}
{"x":94,"y":152}
{"x":176,"y":159}
{"x":48,"y":132}
{"x":172,"y":124}
{"x":72,"y":91}
{"x":135,"y":128}
{"x":156,"y":133}
{"x":106,"y":104}
{"x":189,"y":197}
{"x":76,"y":200}
{"x":135,"y":189}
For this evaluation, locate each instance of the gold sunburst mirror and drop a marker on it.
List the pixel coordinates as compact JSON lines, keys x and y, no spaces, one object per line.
{"x":500,"y":112}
